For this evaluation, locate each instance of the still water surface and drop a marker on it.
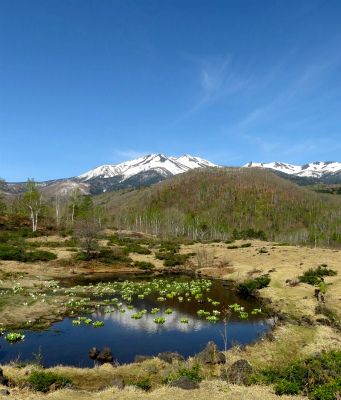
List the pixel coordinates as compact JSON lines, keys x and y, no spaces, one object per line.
{"x":66,"y":344}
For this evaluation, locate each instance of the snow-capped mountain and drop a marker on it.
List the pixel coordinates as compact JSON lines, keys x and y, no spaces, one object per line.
{"x":166,"y":166}
{"x":329,"y":171}
{"x":143,"y":171}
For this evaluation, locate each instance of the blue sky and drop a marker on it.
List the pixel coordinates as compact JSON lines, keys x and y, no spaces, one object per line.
{"x":90,"y":82}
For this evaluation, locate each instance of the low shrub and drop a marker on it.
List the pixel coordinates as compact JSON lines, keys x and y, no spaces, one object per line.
{"x":106,"y":256}
{"x":143,"y":265}
{"x":43,"y":380}
{"x":39,"y":255}
{"x":319,"y":377}
{"x":312,"y":276}
{"x":136,"y":248}
{"x":10,"y":252}
{"x":249,"y":234}
{"x":257,"y":283}
{"x":169,"y":247}
{"x":143,"y":384}
{"x":171,"y":259}
{"x":286,"y":387}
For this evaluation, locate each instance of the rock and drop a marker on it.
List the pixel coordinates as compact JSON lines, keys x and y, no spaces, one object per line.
{"x":184,"y":383}
{"x":118,"y":383}
{"x":4,"y":392}
{"x":103,"y":387}
{"x":105,"y":356}
{"x":27,"y":385}
{"x":139,"y":359}
{"x":305,"y":297}
{"x":255,"y":293}
{"x":211,"y":355}
{"x":93,"y":353}
{"x":168,"y":356}
{"x":70,"y":386}
{"x":288,"y":281}
{"x":270,"y":337}
{"x":305,"y":320}
{"x":52,"y":388}
{"x":239,"y":371}
{"x":3,"y":379}
{"x":323,"y":321}
{"x":283,"y":316}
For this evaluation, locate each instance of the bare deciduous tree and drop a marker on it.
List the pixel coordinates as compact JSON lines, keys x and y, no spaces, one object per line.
{"x":87,"y":232}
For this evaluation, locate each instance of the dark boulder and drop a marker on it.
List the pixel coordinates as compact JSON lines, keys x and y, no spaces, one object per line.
{"x":3,"y":379}
{"x":168,"y":356}
{"x":184,"y":383}
{"x":305,"y":320}
{"x":323,"y":321}
{"x":139,"y":359}
{"x":93,"y":353}
{"x":105,"y":356}
{"x":211,"y":355}
{"x":239,"y":371}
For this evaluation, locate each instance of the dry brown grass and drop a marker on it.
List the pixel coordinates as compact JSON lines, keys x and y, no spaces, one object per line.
{"x":208,"y":390}
{"x":89,"y":380}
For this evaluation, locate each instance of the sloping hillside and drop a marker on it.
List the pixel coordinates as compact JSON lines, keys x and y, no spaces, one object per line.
{"x":228,"y":202}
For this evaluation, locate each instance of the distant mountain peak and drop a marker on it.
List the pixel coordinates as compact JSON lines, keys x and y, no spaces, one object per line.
{"x":152,"y":166}
{"x":316,"y":169}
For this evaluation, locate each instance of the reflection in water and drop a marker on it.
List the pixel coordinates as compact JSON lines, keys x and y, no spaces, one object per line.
{"x":66,"y":344}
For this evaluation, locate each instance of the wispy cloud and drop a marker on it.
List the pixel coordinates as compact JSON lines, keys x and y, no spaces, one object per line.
{"x":216,"y":78}
{"x":130,"y":154}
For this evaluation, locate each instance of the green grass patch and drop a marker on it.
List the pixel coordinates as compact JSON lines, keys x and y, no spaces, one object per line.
{"x":319,"y":377}
{"x":43,"y":380}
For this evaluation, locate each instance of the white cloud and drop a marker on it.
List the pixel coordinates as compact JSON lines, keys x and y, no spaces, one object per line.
{"x":130,"y":154}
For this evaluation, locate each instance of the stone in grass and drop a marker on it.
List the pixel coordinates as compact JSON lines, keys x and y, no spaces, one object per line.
{"x":105,"y":356}
{"x":168,"y":356}
{"x":3,"y":379}
{"x":4,"y":392}
{"x":118,"y":383}
{"x":70,"y":386}
{"x":184,"y":383}
{"x":93,"y":353}
{"x":211,"y":355}
{"x":239,"y":371}
{"x":139,"y":359}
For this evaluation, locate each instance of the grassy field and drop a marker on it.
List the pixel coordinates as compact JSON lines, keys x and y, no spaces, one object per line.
{"x":287,"y":299}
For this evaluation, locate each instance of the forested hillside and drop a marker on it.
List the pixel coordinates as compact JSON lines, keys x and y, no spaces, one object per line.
{"x":227,"y":203}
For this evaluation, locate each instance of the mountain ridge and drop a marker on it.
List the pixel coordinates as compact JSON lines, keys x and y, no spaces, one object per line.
{"x":153,"y":168}
{"x":314,"y":172}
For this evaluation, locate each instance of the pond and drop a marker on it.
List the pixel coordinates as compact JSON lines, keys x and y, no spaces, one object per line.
{"x":184,"y":303}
